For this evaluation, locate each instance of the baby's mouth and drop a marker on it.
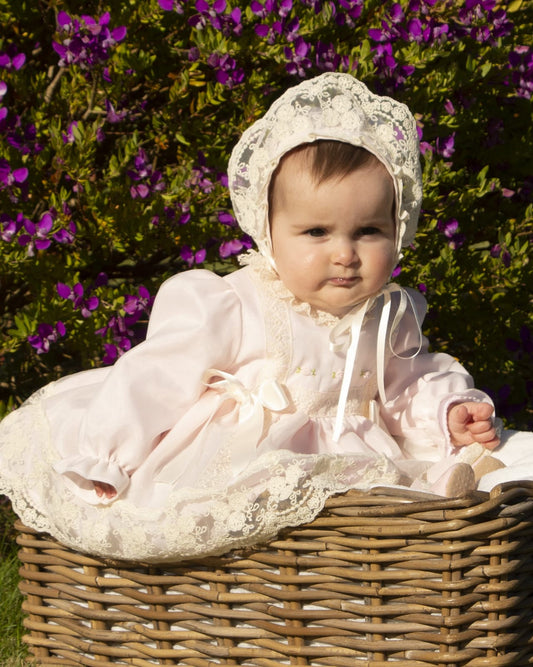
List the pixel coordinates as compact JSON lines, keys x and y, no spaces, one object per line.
{"x":349,"y":280}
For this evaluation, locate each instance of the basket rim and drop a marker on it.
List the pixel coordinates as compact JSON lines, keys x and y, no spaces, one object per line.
{"x":379,"y":502}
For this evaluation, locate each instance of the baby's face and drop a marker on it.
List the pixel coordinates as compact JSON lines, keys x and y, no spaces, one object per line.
{"x":333,"y":242}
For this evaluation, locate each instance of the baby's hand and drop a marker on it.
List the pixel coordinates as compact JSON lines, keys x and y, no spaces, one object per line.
{"x":102,"y":489}
{"x":471,"y":422}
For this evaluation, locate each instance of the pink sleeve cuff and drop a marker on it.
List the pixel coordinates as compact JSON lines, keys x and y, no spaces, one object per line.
{"x":80,"y":471}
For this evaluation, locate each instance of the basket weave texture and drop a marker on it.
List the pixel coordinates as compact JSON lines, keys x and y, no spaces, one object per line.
{"x":381,"y":578}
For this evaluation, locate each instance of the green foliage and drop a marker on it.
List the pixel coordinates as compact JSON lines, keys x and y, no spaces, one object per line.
{"x":160,"y":112}
{"x":12,"y":651}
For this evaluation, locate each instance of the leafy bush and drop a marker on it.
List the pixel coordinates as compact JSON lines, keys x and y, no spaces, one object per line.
{"x":115,"y":130}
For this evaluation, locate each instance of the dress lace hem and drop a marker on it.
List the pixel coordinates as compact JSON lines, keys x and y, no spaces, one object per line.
{"x":277,"y":490}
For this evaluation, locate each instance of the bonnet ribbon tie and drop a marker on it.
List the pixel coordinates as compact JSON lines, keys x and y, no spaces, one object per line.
{"x":352,"y":324}
{"x":251,"y":406}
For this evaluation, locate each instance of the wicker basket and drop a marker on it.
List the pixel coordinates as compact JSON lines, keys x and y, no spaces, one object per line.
{"x":376,"y":579}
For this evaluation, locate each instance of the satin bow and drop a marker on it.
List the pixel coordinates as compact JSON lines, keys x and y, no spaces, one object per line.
{"x":251,"y":411}
{"x":352,"y":324}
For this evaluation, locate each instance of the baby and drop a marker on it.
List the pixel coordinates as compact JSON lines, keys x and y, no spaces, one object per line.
{"x":333,"y":232}
{"x":259,"y":394}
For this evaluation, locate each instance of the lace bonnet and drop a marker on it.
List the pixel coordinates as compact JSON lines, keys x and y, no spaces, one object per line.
{"x":330,"y":106}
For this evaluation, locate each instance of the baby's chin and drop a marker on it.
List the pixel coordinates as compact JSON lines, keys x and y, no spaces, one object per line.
{"x":340,"y":311}
{"x":344,"y":309}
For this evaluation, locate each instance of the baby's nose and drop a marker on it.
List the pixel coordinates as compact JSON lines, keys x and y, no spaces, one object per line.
{"x":344,"y":251}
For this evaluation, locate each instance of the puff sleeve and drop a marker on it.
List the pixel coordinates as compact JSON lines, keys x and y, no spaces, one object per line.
{"x":421,"y":387}
{"x":195,"y":324}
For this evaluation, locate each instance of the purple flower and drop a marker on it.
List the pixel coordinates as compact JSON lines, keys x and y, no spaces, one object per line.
{"x":86,"y":42}
{"x":184,"y":211}
{"x":76,"y":294}
{"x":450,"y":109}
{"x":11,"y":58}
{"x":446,"y":145}
{"x":36,"y":237}
{"x":208,"y":13}
{"x":171,"y":5}
{"x":117,"y":326}
{"x":9,"y":228}
{"x":270,"y":33}
{"x":450,"y":229}
{"x":226,"y":218}
{"x":263,"y":10}
{"x":477,"y":20}
{"x":111,"y":354}
{"x":66,"y":235}
{"x":396,"y":13}
{"x":426,"y":147}
{"x":234,"y":247}
{"x":272,"y":29}
{"x":234,"y":20}
{"x":378,"y":35}
{"x":350,"y":12}
{"x":46,"y":334}
{"x":136,"y":306}
{"x":193,"y":54}
{"x":498,"y":252}
{"x":298,"y":61}
{"x":291,"y":29}
{"x":6,"y":125}
{"x":112,"y":115}
{"x":521,"y":65}
{"x":10,"y":177}
{"x":200,"y":180}
{"x":120,"y":326}
{"x":23,"y":140}
{"x":384,"y":59}
{"x":69,"y":136}
{"x":284,"y":7}
{"x":226,"y":71}
{"x":146,"y":178}
{"x":327,"y":59}
{"x":415,"y":31}
{"x":190,"y":257}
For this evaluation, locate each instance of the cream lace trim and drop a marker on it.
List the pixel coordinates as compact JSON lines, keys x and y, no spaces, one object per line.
{"x":278,"y":490}
{"x":271,"y":281}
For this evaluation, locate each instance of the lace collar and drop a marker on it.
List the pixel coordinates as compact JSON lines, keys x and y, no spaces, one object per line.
{"x":350,"y":324}
{"x":271,"y":281}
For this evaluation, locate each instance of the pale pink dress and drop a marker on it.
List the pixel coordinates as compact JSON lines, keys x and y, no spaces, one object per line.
{"x":218,"y":430}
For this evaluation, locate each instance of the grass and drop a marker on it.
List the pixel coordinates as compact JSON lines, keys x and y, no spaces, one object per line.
{"x":12,"y":651}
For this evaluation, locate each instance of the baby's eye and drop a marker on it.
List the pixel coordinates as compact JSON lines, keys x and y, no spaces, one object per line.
{"x":368,"y":231}
{"x":316,"y":232}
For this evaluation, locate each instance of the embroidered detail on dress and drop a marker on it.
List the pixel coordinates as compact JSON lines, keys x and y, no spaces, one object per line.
{"x":306,"y":371}
{"x":337,"y":375}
